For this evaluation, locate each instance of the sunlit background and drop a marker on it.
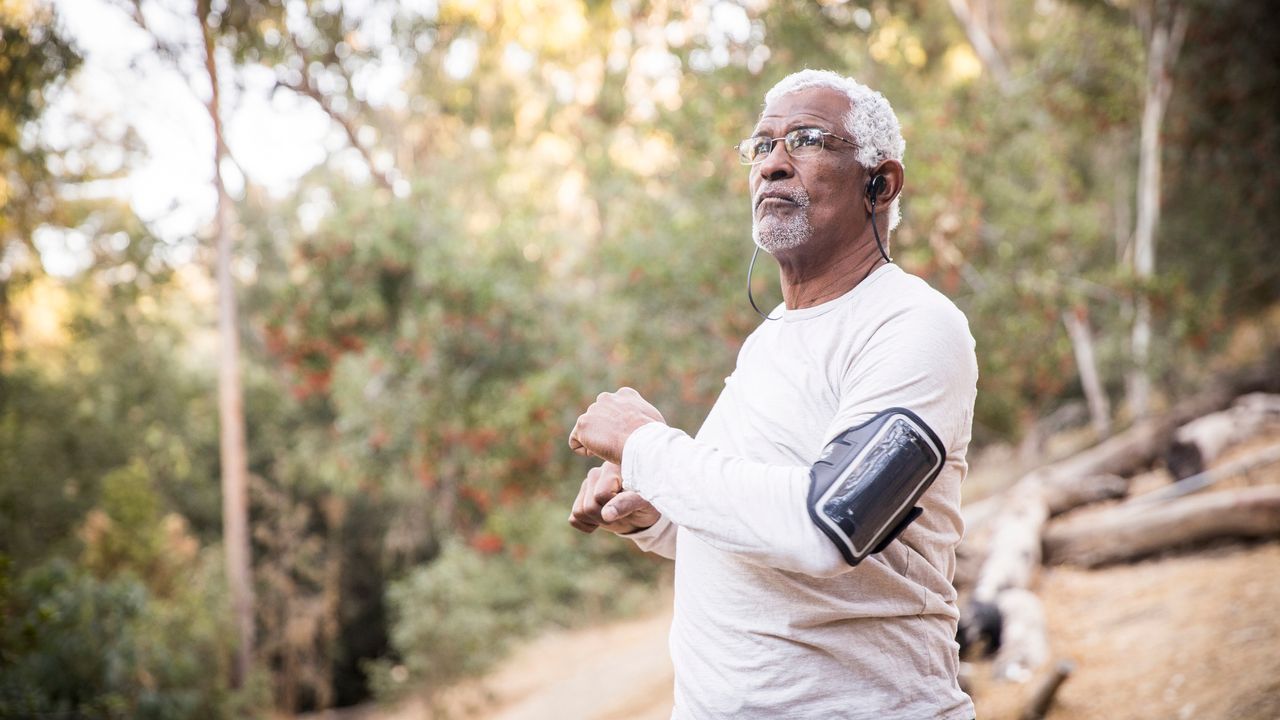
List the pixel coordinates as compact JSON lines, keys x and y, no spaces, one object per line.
{"x":452,"y":223}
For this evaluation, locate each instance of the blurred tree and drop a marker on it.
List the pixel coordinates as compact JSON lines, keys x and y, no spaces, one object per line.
{"x":73,"y":645}
{"x":1218,"y":236}
{"x":1164,"y":26}
{"x":131,"y":631}
{"x":540,"y":202}
{"x":235,"y":472}
{"x":35,"y":59}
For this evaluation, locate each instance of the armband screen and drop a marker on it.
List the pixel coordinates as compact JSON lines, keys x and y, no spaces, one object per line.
{"x":863,"y":490}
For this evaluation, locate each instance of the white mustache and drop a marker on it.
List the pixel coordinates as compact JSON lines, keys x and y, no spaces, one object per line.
{"x":796,"y":195}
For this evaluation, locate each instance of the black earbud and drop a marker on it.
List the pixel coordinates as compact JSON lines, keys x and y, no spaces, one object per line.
{"x":875,"y":186}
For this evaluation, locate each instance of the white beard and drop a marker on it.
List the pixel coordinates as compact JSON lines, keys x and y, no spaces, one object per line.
{"x":772,"y":233}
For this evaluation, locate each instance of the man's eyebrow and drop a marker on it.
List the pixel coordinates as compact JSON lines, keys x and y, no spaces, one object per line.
{"x":793,"y":124}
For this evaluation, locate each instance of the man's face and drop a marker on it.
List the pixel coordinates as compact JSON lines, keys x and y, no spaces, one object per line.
{"x":797,"y":200}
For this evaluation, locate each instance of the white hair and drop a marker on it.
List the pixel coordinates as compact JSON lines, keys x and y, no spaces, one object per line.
{"x":870,"y":122}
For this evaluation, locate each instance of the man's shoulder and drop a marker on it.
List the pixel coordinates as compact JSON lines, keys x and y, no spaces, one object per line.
{"x":908,"y":299}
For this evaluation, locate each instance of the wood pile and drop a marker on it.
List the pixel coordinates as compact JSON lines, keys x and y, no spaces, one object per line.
{"x":1078,"y":511}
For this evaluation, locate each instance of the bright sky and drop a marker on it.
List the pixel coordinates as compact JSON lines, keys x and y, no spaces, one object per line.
{"x":123,"y":82}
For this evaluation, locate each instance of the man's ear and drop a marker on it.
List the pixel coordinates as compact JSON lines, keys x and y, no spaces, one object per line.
{"x":885,"y":182}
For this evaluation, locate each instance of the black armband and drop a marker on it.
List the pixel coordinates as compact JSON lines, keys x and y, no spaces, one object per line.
{"x":864,"y":488}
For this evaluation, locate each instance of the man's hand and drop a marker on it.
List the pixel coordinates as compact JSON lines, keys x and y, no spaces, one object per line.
{"x":602,"y":503}
{"x":604,"y":428}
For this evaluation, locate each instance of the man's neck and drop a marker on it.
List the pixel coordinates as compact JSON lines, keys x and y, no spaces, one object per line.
{"x":809,"y":281}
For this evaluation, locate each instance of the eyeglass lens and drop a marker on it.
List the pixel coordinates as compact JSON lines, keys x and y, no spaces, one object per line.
{"x":798,"y":142}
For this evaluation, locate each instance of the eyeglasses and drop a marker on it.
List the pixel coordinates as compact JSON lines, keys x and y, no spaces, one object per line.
{"x":800,"y":142}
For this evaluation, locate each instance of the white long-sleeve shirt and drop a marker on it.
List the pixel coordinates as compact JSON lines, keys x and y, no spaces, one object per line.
{"x":770,"y":622}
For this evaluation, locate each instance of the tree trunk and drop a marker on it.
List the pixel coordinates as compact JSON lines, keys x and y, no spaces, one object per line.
{"x":1122,"y":211}
{"x":1134,"y":531}
{"x":980,"y":39}
{"x":1077,"y":322}
{"x":1166,"y":25}
{"x":235,"y":498}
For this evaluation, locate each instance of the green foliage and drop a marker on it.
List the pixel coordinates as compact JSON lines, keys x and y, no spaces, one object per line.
{"x":34,"y":60}
{"x":455,"y":617}
{"x":113,"y":397}
{"x":72,"y":645}
{"x":1219,"y":240}
{"x":563,"y":218}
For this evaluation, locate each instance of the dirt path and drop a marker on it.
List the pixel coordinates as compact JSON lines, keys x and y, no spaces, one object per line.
{"x":616,"y":671}
{"x":620,"y":671}
{"x":1192,"y":635}
{"x":1188,"y":636}
{"x":1195,"y":636}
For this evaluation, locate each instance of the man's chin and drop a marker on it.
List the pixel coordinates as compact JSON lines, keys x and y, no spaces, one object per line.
{"x":779,"y":239}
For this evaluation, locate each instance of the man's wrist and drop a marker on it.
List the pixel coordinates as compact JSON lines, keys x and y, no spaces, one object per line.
{"x":641,"y":535}
{"x":638,"y":530}
{"x":634,"y":464}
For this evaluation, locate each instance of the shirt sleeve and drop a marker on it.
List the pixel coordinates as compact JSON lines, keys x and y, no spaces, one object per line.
{"x":754,"y":510}
{"x":760,"y":511}
{"x":922,"y":360}
{"x":659,"y":538}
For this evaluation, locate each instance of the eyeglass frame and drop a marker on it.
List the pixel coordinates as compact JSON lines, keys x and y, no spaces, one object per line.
{"x":785,"y":144}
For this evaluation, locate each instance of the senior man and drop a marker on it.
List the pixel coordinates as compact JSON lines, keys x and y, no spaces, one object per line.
{"x":814,"y":519}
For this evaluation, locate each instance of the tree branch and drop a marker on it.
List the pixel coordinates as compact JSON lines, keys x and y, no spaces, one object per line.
{"x":305,"y":87}
{"x":981,"y":42}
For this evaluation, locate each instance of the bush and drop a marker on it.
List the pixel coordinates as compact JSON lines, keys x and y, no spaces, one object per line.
{"x":72,"y":645}
{"x":456,"y":616}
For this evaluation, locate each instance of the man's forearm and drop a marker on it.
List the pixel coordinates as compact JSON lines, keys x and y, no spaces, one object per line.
{"x":751,"y":509}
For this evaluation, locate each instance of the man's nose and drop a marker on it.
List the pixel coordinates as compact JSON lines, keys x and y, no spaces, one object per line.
{"x":777,"y":164}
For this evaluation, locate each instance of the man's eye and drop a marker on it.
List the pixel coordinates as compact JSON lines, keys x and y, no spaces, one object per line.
{"x":760,"y":146}
{"x":806,"y":137}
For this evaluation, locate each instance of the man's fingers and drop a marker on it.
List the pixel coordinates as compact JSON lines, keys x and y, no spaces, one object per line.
{"x":606,"y":486}
{"x":622,"y":505}
{"x":579,"y":518}
{"x":587,"y":506}
{"x":574,"y":443}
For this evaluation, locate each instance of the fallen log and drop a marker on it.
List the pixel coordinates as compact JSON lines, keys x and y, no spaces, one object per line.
{"x":1101,"y":472}
{"x":970,"y":554}
{"x":1002,"y":612}
{"x":1006,"y":539}
{"x":1063,"y":494}
{"x":978,"y":515}
{"x":1014,"y":557}
{"x":1268,"y":455}
{"x":1137,"y":448}
{"x":1121,"y":455}
{"x":973,"y":548}
{"x":1203,"y":440}
{"x":980,"y":628}
{"x":1133,"y":531}
{"x":1024,"y":638}
{"x":1042,"y":698}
